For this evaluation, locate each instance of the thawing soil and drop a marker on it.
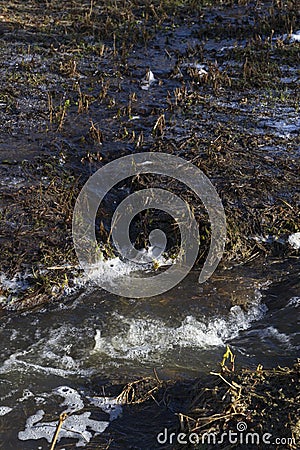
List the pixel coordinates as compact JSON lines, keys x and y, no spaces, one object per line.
{"x":226,"y":97}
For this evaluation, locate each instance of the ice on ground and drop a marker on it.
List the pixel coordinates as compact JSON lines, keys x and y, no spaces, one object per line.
{"x":289,"y":38}
{"x":15,"y":285}
{"x":148,"y":80}
{"x":294,"y":240}
{"x":292,"y":37}
{"x":5,"y":410}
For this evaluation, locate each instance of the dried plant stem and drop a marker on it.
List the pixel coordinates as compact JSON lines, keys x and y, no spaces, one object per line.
{"x":62,"y":418}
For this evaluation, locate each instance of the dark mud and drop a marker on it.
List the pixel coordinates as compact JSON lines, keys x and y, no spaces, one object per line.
{"x":226,"y":98}
{"x":206,"y":412}
{"x":71,"y":100}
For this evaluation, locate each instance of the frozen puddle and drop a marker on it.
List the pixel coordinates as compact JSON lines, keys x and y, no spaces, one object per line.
{"x":78,"y":425}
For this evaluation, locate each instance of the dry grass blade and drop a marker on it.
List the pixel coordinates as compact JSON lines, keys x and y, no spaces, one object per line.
{"x":139,"y":391}
{"x":62,"y":418}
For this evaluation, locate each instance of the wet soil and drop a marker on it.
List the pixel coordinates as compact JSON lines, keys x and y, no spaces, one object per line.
{"x":71,"y":100}
{"x":260,"y":402}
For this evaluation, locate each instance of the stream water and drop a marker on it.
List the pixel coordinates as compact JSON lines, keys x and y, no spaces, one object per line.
{"x":49,"y":357}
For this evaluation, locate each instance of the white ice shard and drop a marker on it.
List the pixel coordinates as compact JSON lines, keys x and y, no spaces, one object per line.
{"x":294,"y":240}
{"x":148,"y":80}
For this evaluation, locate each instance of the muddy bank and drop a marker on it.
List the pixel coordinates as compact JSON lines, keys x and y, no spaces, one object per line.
{"x":262,"y":403}
{"x":226,"y":98}
{"x":229,"y":408}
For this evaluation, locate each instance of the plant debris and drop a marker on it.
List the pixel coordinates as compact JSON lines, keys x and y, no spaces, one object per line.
{"x":262,"y":400}
{"x":222,"y":93}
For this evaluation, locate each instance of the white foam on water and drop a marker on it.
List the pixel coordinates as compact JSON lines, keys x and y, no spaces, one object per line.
{"x":108,"y":405}
{"x":76,"y":426}
{"x":26,"y":395}
{"x":13,"y":363}
{"x":79,"y":427}
{"x":115,"y":268}
{"x":111,"y":269}
{"x":5,"y":410}
{"x":48,"y":355}
{"x":107,"y":270}
{"x":73,"y":400}
{"x":273,"y":333}
{"x":150,"y":338}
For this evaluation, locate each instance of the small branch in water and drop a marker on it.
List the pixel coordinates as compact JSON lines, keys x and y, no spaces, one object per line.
{"x":62,"y":418}
{"x":227,"y":382}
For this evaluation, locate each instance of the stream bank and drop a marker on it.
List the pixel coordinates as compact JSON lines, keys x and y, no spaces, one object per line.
{"x":226,"y":98}
{"x":72,"y":99}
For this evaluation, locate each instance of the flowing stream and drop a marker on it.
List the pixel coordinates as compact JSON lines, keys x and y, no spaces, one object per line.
{"x":50,"y":357}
